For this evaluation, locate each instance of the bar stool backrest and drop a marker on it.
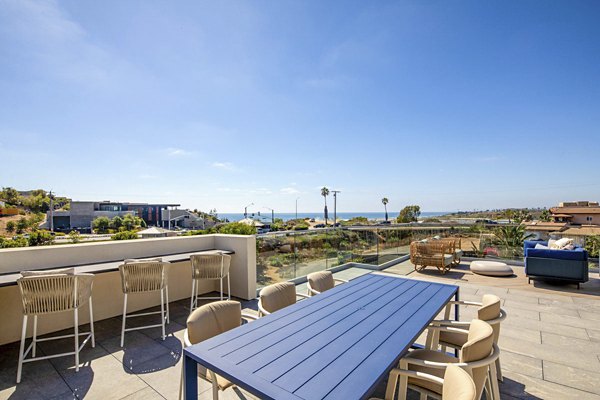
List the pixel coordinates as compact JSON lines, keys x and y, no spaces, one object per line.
{"x":210,"y":266}
{"x":143,"y":276}
{"x":45,"y":294}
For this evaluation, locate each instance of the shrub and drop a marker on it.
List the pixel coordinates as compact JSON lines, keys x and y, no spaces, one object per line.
{"x":41,"y":238}
{"x":75,"y":236}
{"x":18,"y":241}
{"x":125,"y":235}
{"x":11,"y":226}
{"x":409,"y":214}
{"x":592,"y":245}
{"x":101,"y":224}
{"x":236,"y":228}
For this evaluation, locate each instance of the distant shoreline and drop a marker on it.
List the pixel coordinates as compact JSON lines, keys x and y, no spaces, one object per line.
{"x":266,"y":215}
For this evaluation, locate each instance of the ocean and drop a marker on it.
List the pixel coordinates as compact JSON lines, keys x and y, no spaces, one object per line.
{"x":266,"y":215}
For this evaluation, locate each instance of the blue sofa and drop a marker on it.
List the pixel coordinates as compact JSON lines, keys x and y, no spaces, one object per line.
{"x":564,"y":265}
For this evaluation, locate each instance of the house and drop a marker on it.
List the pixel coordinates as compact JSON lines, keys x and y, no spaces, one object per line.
{"x":155,"y":232}
{"x":542,"y":229}
{"x":577,"y":212}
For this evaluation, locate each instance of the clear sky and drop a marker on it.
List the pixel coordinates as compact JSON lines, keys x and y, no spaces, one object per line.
{"x":446,"y":104}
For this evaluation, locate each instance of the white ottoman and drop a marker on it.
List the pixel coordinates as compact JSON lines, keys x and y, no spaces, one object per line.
{"x":491,"y":268}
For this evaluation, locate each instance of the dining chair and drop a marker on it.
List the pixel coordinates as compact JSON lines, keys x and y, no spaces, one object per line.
{"x":477,"y":356}
{"x":49,"y":292}
{"x":209,"y":267}
{"x":206,"y":322}
{"x":277,"y":296}
{"x":145,"y":276}
{"x":457,"y":383}
{"x":320,"y":281}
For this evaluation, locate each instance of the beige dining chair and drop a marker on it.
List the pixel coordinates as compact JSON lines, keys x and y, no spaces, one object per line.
{"x":206,"y":322}
{"x":145,"y":276}
{"x":318,"y":282}
{"x":209,"y":267}
{"x":489,"y":310}
{"x":477,"y":355}
{"x":277,"y":296}
{"x":457,"y":384}
{"x":50,"y":292}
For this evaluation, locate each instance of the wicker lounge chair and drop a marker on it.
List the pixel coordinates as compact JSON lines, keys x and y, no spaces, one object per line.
{"x":209,"y":267}
{"x":206,"y":322}
{"x":50,"y":292}
{"x":476,"y":356}
{"x":318,"y":282}
{"x":277,"y":296}
{"x":437,"y":253}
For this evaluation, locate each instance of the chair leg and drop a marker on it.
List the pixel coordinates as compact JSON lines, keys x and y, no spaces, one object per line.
{"x":34,"y":336}
{"x":92,"y":324}
{"x":167,"y":304}
{"x":215,"y":386}
{"x":22,"y":350}
{"x":76,"y":323}
{"x":494,"y":381}
{"x":193,"y":295}
{"x":221,"y":280}
{"x":403,"y":385}
{"x":124,"y":318}
{"x":162,"y":313}
{"x":228,"y":288}
{"x":499,"y":370}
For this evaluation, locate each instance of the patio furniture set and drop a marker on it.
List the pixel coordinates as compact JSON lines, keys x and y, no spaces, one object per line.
{"x":442,"y":253}
{"x":340,"y":341}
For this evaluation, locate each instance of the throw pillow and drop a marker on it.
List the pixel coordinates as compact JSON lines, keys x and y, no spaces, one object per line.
{"x":561,"y":244}
{"x":541,"y":246}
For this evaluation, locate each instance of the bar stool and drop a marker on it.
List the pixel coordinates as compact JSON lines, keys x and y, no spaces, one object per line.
{"x":209,"y":267}
{"x":50,"y":292}
{"x":143,"y":276}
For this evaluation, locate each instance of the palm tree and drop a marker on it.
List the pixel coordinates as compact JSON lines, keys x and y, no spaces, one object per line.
{"x":512,"y":238}
{"x":385,"y":201}
{"x":325,"y":193}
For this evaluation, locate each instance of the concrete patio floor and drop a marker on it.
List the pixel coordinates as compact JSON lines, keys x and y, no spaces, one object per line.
{"x":550,"y":347}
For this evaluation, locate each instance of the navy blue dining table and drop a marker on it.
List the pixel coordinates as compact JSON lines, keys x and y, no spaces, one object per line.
{"x":337,"y":345}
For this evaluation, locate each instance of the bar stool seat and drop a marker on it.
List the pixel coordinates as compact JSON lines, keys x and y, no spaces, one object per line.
{"x":49,"y":292}
{"x":209,"y":267}
{"x":144,"y":276}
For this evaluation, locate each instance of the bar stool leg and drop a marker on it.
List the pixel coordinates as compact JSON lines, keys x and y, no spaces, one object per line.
{"x":34,"y":335}
{"x":162,"y":313}
{"x":22,"y":350}
{"x":228,"y":288}
{"x":124,"y":317}
{"x":193,"y":295}
{"x":92,"y":323}
{"x":76,"y":320}
{"x":167,"y":304}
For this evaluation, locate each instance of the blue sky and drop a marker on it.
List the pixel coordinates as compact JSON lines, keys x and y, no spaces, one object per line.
{"x":446,"y":104}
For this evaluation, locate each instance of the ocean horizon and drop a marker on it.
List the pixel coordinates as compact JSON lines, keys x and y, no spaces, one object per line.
{"x":266,"y":216}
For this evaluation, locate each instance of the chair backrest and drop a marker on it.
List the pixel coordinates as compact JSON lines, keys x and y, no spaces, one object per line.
{"x":321,"y":281}
{"x":50,"y":293}
{"x":210,"y":266}
{"x":277,"y":296}
{"x":212,"y":319}
{"x":490,"y":310}
{"x":458,"y":384}
{"x":479,"y":345}
{"x":143,"y":276}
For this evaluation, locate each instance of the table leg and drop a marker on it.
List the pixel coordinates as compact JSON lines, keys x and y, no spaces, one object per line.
{"x":456,"y":312}
{"x":190,"y":378}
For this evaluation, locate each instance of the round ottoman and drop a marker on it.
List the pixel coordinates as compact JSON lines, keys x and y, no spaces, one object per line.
{"x":491,"y":268}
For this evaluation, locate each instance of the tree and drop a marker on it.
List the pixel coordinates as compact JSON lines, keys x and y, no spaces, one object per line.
{"x":512,"y":238}
{"x":117,"y":222}
{"x":11,"y":196}
{"x":385,"y":201}
{"x":22,"y":224}
{"x":545,"y":216}
{"x":325,"y":193}
{"x":101,"y":224}
{"x":592,"y":245}
{"x":409,"y":214}
{"x":11,"y":226}
{"x":40,"y":238}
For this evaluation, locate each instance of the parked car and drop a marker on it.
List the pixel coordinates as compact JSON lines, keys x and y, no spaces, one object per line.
{"x":320,"y":226}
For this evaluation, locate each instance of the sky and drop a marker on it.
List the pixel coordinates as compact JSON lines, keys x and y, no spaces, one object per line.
{"x":451,"y":105}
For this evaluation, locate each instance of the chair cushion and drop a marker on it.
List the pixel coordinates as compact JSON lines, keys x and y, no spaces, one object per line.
{"x":479,"y":341}
{"x":448,"y":259}
{"x":458,"y":384}
{"x":457,"y":339}
{"x":59,"y":271}
{"x":277,"y":296}
{"x":321,"y":281}
{"x":213,"y":319}
{"x":458,"y":253}
{"x":429,"y":355}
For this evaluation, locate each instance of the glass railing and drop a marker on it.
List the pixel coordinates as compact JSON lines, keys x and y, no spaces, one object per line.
{"x":288,"y":255}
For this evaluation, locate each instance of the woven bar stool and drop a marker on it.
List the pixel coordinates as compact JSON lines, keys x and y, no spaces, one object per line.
{"x":209,"y":267}
{"x":49,"y":292}
{"x":143,"y":276}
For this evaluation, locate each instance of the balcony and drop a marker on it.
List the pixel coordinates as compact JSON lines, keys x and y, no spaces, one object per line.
{"x":549,"y":341}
